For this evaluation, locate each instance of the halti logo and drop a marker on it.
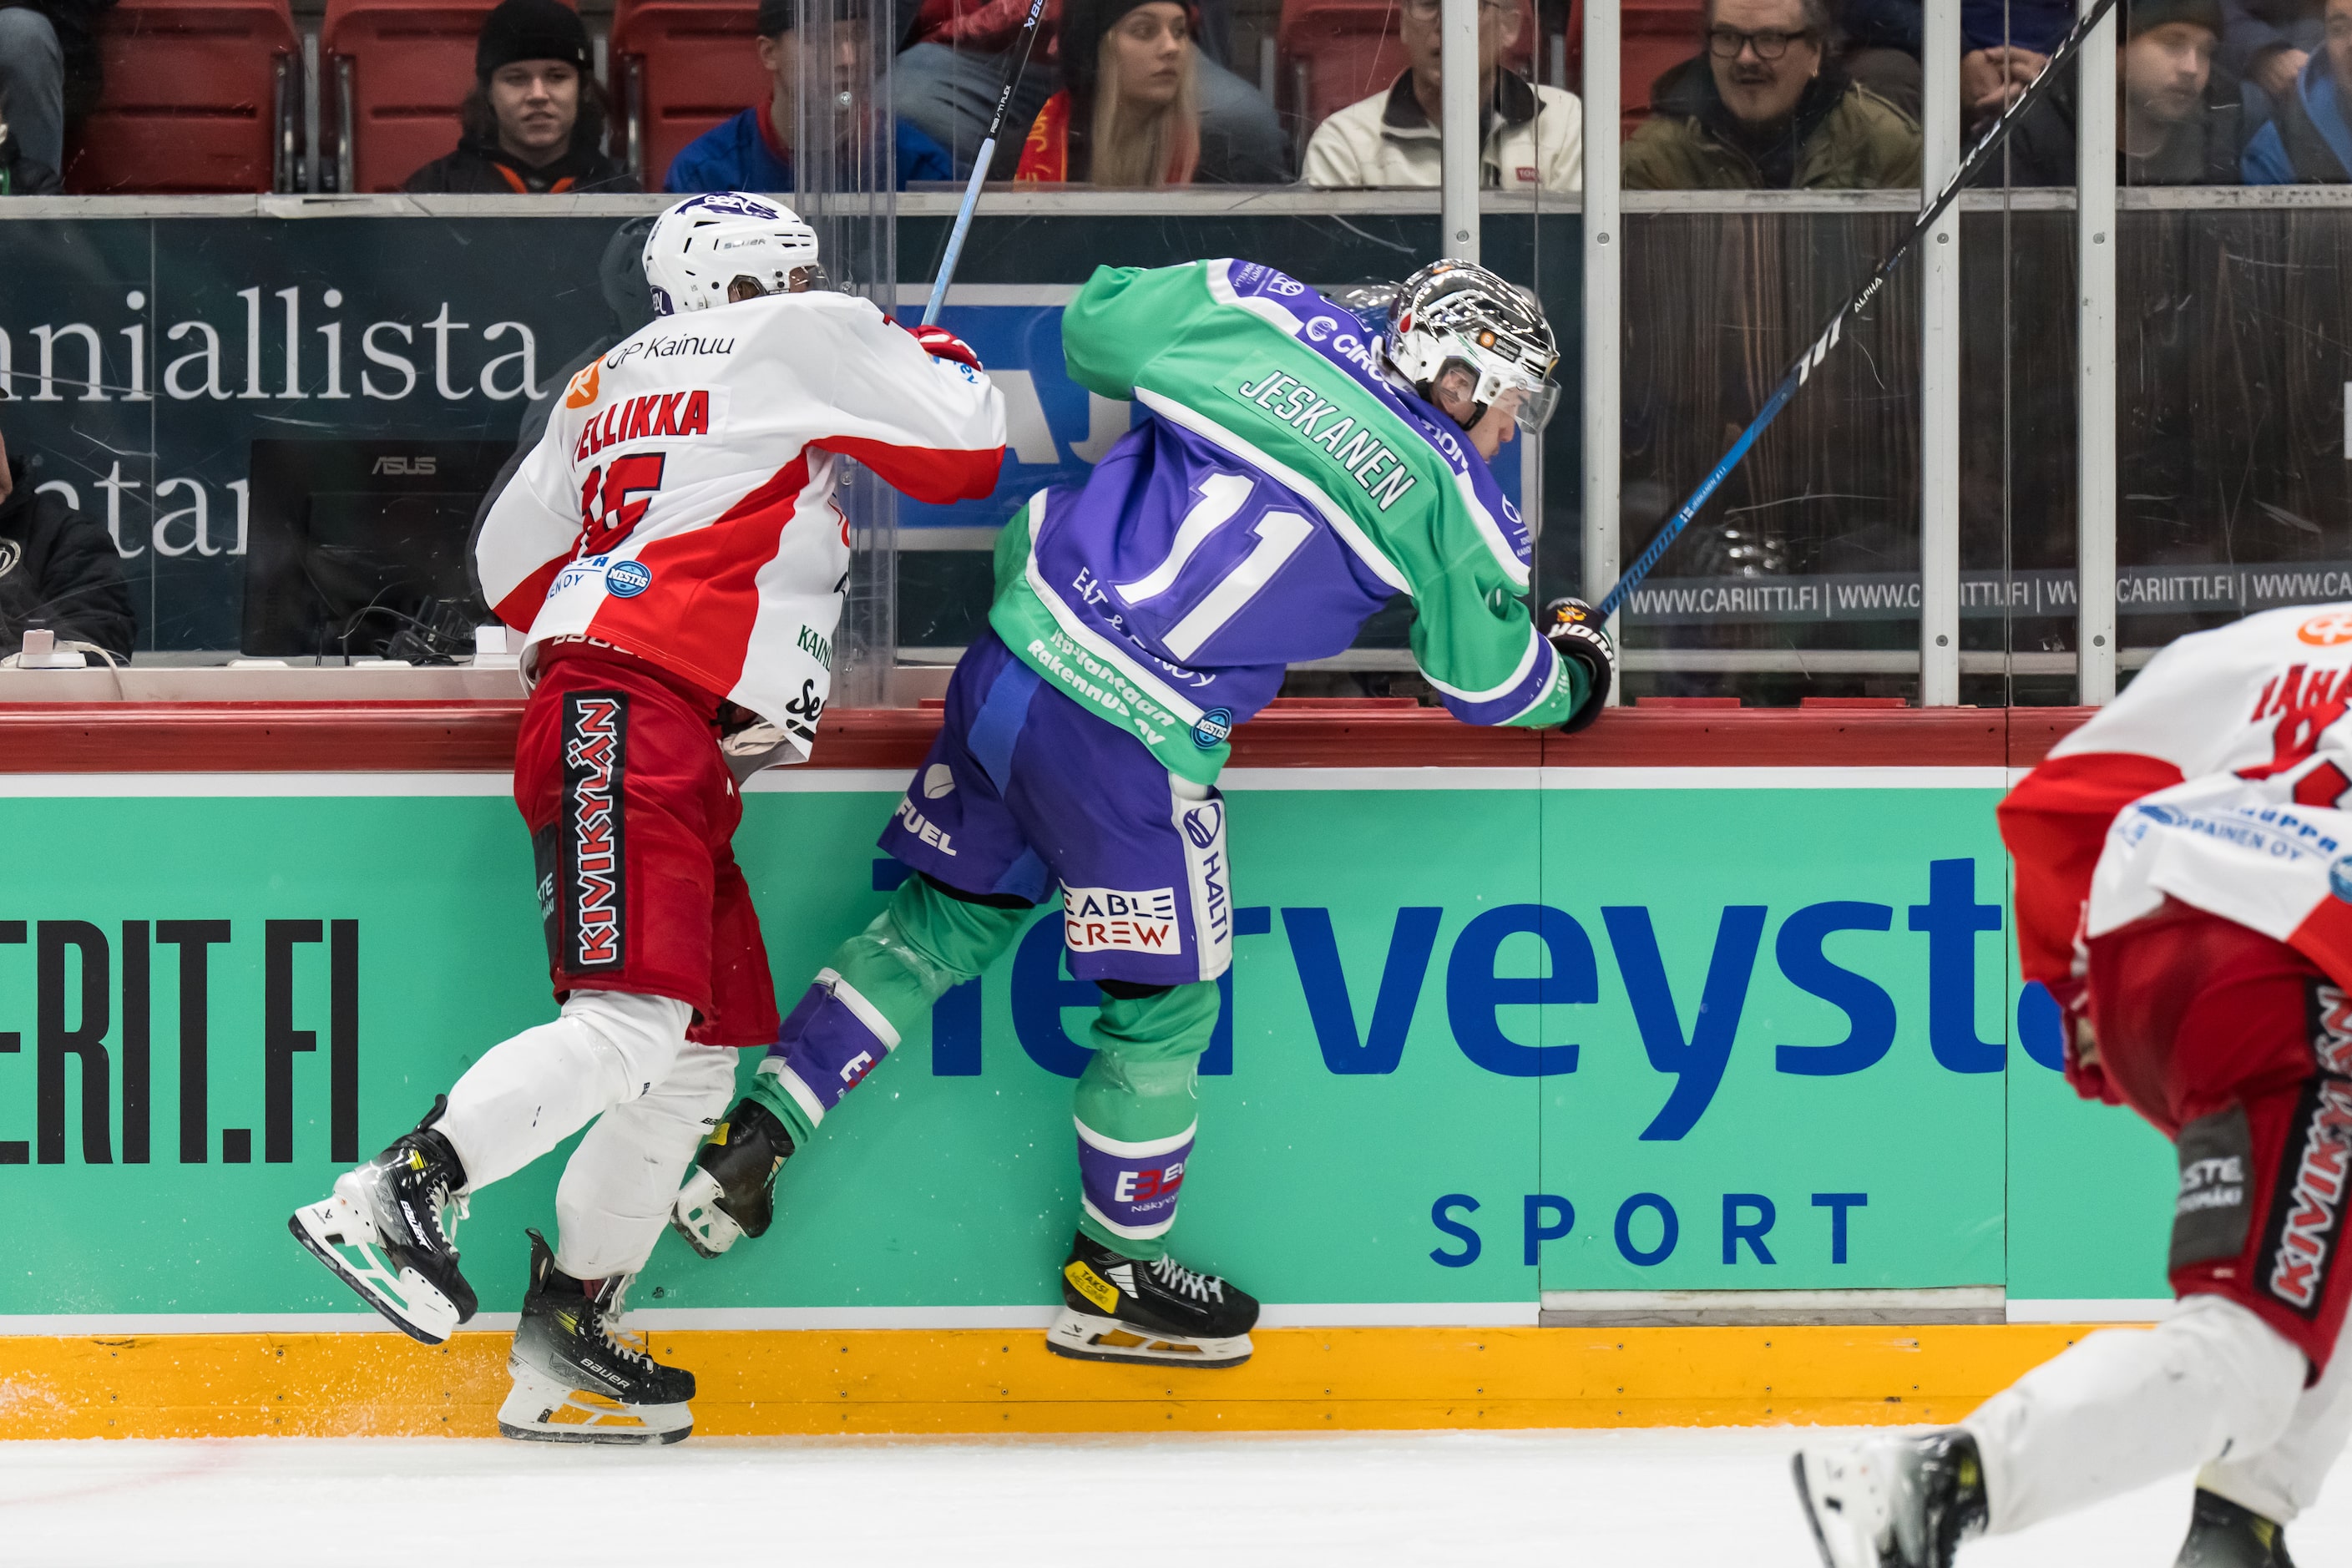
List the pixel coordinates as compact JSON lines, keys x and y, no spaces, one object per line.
{"x":411,"y":467}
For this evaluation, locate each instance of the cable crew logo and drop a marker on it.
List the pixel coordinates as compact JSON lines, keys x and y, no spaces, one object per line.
{"x":627,"y":579}
{"x":1212,"y":728}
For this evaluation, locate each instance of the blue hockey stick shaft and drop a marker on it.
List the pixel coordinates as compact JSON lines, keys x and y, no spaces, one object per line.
{"x":956,"y":235}
{"x":1859,"y":300}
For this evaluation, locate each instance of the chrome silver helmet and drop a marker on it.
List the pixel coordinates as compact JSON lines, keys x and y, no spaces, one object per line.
{"x":1457,"y":312}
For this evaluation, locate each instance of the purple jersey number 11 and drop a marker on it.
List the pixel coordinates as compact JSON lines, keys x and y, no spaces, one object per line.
{"x":1280,"y":535}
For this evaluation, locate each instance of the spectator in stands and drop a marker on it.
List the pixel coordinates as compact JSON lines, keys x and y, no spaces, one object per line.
{"x":2308,"y":139}
{"x":1881,"y":43}
{"x":754,"y":152}
{"x":945,"y":81}
{"x":1533,"y":135}
{"x":2171,"y":128}
{"x":534,"y":122}
{"x":2004,"y":44}
{"x":48,"y":74}
{"x":1768,"y":107}
{"x":58,"y":568}
{"x":2266,"y":44}
{"x":1129,"y":112}
{"x":21,"y":174}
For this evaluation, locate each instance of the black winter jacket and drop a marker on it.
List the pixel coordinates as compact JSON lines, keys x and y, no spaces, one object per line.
{"x":477,"y":169}
{"x":60,"y":566}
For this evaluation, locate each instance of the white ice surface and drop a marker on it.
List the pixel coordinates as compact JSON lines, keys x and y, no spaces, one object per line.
{"x":1713,"y":1498}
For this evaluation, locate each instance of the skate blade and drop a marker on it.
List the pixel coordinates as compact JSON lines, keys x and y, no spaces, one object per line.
{"x":338,"y":1235}
{"x":542,"y":1409}
{"x":1083,"y":1336}
{"x":707,"y":1228}
{"x":1843,"y":1504}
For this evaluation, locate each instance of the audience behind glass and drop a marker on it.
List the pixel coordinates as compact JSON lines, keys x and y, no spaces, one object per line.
{"x":753,"y":151}
{"x":1767,"y":104}
{"x":947,"y":78}
{"x":1780,"y":94}
{"x":1532,"y":135}
{"x":2173,"y":125}
{"x":48,"y":72}
{"x":534,"y":122}
{"x":2308,"y":139}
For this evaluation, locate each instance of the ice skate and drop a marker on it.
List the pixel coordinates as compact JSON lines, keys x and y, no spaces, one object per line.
{"x":578,"y":1377}
{"x":1159,"y":1313}
{"x":385,"y":1232}
{"x":2221,"y":1535}
{"x":732,"y":1194}
{"x":1895,"y":1502}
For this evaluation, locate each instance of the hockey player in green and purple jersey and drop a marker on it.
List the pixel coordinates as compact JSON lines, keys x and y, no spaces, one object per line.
{"x":1297,"y":469}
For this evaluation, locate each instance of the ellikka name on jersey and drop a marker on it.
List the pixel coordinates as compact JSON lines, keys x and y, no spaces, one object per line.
{"x":653,"y":415}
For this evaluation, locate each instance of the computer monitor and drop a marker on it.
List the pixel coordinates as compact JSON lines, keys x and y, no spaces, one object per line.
{"x":357,"y":549}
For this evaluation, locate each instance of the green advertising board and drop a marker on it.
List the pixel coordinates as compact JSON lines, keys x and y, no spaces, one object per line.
{"x":1642,"y":1031}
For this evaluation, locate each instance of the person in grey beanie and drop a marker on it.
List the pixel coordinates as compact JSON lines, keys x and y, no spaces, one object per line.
{"x":534,"y":123}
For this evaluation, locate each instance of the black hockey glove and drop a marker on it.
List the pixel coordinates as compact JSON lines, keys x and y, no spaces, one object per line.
{"x":1575,"y":632}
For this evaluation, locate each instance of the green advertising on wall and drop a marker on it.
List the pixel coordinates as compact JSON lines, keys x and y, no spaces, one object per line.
{"x":1483,"y":1042}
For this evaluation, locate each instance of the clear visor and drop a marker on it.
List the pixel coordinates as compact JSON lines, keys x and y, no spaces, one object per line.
{"x":1498,"y":374}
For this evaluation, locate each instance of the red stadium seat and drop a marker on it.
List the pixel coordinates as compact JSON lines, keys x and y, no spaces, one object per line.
{"x":679,"y":67}
{"x":396,"y":72}
{"x":201,"y":95}
{"x":1656,"y":37}
{"x":1343,"y":50}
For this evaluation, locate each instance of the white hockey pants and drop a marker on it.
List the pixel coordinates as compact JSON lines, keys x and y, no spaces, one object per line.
{"x":619,"y":1060}
{"x":2212,"y":1385}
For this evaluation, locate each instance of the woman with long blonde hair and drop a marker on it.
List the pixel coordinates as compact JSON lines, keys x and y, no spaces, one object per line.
{"x":1130,"y":113}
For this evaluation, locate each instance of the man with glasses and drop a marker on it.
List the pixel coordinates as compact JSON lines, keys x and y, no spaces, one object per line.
{"x":1767,"y":107}
{"x":1530,"y":136}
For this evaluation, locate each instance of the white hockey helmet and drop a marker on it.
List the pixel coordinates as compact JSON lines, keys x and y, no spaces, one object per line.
{"x":704,"y":243}
{"x":1457,"y":312}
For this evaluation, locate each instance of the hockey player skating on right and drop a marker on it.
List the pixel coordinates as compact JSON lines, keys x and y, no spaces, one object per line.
{"x":2184,"y":888}
{"x":1297,"y":469}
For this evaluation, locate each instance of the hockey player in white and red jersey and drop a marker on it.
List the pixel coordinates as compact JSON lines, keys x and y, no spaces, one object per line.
{"x":2184,"y":891}
{"x":672,"y":550}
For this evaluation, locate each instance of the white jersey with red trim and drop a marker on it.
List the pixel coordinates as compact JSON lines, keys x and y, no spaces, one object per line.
{"x":680,"y":505}
{"x":2219,"y":778}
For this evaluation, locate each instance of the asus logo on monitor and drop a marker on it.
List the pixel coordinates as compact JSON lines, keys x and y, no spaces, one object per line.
{"x":419,"y":467}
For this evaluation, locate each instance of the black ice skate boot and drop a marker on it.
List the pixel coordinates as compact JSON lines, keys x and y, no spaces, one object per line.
{"x":578,"y":1377}
{"x":732,"y":1194}
{"x":386,"y":1233}
{"x":2221,"y":1535}
{"x":1161,"y":1313}
{"x":1895,"y":1502}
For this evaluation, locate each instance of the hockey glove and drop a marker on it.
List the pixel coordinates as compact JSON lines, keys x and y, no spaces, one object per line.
{"x":1575,"y":632}
{"x":940,"y":343}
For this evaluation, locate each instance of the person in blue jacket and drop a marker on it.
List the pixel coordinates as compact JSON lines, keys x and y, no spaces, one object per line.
{"x":754,"y":152}
{"x":2308,"y":139}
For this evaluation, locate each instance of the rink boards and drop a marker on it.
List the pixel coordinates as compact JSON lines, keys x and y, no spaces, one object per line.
{"x":1503,"y":1045}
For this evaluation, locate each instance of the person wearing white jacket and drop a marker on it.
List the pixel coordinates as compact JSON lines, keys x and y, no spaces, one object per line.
{"x":1532,"y":137}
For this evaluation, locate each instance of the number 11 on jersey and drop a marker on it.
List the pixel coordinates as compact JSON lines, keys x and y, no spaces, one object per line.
{"x":1280,"y":535}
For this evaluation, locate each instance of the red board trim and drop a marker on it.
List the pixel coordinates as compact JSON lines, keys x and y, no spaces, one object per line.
{"x":478,"y":737}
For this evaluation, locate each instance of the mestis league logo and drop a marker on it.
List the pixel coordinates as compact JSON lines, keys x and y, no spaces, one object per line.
{"x":627,"y":579}
{"x":1212,"y":728}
